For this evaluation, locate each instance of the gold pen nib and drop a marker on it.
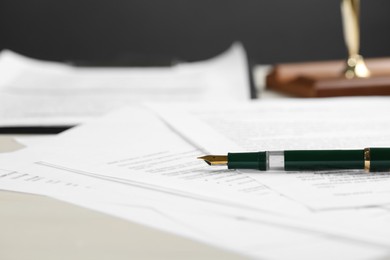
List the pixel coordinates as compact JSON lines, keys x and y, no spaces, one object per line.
{"x":214,"y":159}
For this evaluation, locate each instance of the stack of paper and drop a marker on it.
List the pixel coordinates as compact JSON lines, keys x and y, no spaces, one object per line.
{"x":139,"y":163}
{"x":42,"y":93}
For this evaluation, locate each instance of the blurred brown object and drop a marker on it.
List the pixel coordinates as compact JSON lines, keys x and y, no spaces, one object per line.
{"x":326,"y":79}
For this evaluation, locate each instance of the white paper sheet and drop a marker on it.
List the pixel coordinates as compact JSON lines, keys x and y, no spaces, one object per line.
{"x":192,"y":219}
{"x":296,"y":124}
{"x":41,"y":93}
{"x":233,"y":225}
{"x":125,"y":148}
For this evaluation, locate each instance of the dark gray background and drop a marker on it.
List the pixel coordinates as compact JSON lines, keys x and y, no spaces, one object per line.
{"x":272,"y":30}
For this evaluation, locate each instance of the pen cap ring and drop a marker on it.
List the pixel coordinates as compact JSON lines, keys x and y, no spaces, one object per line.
{"x":256,"y":161}
{"x":379,"y":159}
{"x":367,"y":159}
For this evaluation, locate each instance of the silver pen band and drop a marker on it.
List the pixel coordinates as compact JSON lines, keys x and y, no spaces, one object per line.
{"x":275,"y":160}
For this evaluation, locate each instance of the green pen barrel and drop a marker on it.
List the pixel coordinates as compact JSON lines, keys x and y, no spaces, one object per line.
{"x":256,"y":161}
{"x":323,"y":160}
{"x":379,"y":159}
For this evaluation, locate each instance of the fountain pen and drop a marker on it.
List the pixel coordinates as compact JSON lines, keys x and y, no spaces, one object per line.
{"x":369,"y":159}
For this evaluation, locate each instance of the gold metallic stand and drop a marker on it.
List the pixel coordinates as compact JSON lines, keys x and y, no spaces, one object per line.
{"x":355,"y":77}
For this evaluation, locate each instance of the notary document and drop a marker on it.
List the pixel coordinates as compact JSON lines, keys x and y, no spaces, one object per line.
{"x":201,"y":221}
{"x":340,"y":123}
{"x":134,"y":147}
{"x":133,"y":165}
{"x":161,"y":203}
{"x":42,"y":93}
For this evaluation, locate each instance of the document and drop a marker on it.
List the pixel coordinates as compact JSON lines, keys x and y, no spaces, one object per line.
{"x":343,"y":123}
{"x":42,"y":93}
{"x":193,"y":219}
{"x":134,"y":159}
{"x":124,"y":148}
